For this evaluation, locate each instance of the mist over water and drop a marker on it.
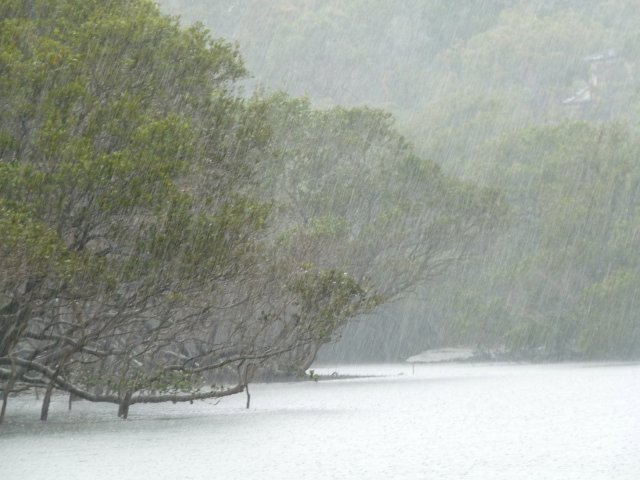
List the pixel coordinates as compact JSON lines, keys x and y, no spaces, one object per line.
{"x":447,"y":421}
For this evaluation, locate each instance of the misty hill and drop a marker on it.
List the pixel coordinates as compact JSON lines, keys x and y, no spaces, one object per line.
{"x":537,"y":98}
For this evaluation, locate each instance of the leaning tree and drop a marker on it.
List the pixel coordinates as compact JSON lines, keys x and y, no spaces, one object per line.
{"x":126,"y":163}
{"x":360,"y":218}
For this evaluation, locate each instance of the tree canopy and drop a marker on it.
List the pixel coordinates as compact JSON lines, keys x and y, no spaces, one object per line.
{"x":164,"y":238}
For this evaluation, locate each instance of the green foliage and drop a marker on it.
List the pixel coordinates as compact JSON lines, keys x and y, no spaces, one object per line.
{"x":123,"y":160}
{"x":481,"y":87}
{"x":327,"y":300}
{"x":343,"y":52}
{"x":607,"y":315}
{"x":352,"y":198}
{"x":573,"y":189}
{"x":156,"y":227}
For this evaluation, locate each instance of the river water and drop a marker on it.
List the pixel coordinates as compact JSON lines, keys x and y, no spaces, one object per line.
{"x":577,"y":421}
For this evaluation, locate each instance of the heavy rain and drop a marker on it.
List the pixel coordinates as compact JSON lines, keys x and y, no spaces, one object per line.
{"x":319,"y":239}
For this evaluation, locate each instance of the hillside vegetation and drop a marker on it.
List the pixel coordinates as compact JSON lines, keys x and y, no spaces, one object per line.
{"x":538,"y":99}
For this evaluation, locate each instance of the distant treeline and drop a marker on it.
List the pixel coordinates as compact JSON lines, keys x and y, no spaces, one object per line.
{"x":539,"y":99}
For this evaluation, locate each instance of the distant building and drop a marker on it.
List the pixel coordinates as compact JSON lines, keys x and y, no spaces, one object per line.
{"x":581,"y":96}
{"x":606,"y":71}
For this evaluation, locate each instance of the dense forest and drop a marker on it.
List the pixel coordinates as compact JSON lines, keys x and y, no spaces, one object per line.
{"x":166,"y":237}
{"x":537,"y":99}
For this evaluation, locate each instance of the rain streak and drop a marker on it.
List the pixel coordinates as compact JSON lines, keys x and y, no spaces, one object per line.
{"x":319,"y":239}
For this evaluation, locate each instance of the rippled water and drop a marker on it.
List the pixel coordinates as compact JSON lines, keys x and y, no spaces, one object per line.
{"x":441,"y":422}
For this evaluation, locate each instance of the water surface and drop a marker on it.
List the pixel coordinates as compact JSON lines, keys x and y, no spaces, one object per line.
{"x":439,"y":422}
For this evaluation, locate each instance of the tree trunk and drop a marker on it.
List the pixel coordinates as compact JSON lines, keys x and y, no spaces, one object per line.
{"x":123,"y":408}
{"x":46,"y":401}
{"x":310,"y":357}
{"x":8,"y":386}
{"x":245,"y":372}
{"x":5,"y":399}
